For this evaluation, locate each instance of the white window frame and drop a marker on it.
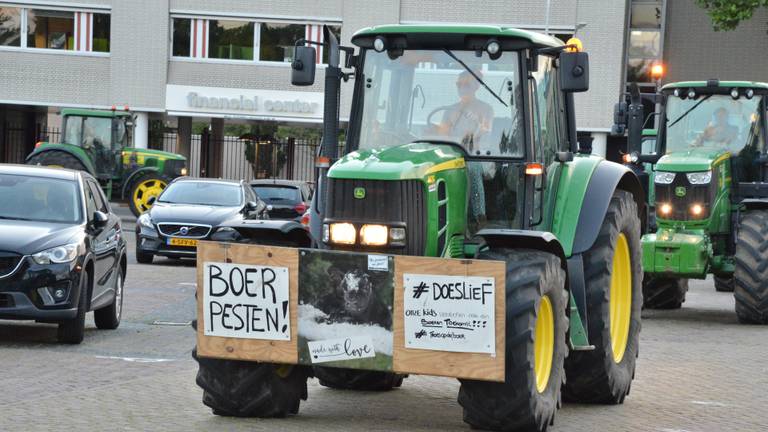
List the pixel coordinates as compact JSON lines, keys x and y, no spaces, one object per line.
{"x":24,"y":22}
{"x":257,"y":22}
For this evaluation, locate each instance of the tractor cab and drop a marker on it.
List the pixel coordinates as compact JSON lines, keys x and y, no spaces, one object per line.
{"x":101,"y":134}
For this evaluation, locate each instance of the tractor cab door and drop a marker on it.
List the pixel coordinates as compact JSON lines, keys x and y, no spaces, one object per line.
{"x":98,"y":139}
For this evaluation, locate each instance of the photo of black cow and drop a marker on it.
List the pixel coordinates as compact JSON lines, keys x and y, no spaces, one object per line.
{"x":344,"y":295}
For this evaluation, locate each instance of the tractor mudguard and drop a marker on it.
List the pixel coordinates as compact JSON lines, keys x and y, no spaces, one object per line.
{"x":540,"y":240}
{"x":755,"y":203}
{"x":134,"y":175}
{"x":606,"y":178}
{"x":265,"y":232}
{"x":74,"y":151}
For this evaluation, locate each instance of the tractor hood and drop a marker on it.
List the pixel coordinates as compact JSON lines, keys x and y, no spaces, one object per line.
{"x":698,"y":159}
{"x":148,"y":153}
{"x":403,"y":162}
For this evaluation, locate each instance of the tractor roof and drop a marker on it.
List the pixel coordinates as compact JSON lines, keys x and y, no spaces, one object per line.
{"x":93,"y":113}
{"x":536,"y":39}
{"x":728,"y":84}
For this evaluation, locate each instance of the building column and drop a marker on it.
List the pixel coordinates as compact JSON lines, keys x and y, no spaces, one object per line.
{"x":141,"y":130}
{"x":599,"y":140}
{"x":216,"y":144}
{"x":184,"y":139}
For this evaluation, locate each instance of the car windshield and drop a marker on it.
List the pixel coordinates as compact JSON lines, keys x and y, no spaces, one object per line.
{"x":39,"y":199}
{"x":88,"y":132}
{"x":202,"y":193}
{"x":277,"y":193}
{"x":442,"y":95}
{"x":716,"y":122}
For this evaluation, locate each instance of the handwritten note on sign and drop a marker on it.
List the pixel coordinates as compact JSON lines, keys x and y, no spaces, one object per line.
{"x":449,"y":313}
{"x":246,"y":301}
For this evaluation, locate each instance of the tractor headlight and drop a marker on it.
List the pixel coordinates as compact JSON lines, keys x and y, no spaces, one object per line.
{"x":184,"y":171}
{"x":665,"y":209}
{"x":699,"y":177}
{"x":58,"y":254}
{"x":342,"y":233}
{"x":374,"y":235}
{"x":663,"y":177}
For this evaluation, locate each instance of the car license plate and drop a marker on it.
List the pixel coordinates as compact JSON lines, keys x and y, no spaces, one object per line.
{"x":182,"y":242}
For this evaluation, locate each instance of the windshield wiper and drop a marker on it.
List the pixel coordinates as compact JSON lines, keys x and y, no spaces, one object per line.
{"x":471,"y":72}
{"x":14,"y":218}
{"x":691,"y":109}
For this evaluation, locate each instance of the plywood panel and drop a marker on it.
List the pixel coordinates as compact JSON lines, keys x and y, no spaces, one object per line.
{"x":461,"y":365}
{"x":249,"y":349}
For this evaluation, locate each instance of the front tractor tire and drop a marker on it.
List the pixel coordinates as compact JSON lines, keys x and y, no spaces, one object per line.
{"x":352,"y":379}
{"x":664,"y":293}
{"x":751,"y":274}
{"x":614,"y":299}
{"x":144,"y":188}
{"x":249,"y":389}
{"x":536,"y":326}
{"x":56,"y":159}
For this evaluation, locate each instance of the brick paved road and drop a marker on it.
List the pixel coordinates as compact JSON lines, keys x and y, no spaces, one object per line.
{"x":698,"y":371}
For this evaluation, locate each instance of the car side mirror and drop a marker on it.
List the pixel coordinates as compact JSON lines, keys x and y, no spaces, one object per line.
{"x":303,"y":65}
{"x":251,"y":206}
{"x":100,"y":220}
{"x":151,"y":200}
{"x":574,"y":72}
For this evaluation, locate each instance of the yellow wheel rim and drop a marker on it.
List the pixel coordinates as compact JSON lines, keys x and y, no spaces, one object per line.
{"x":620,"y":298}
{"x":146,"y":190}
{"x":543,"y":344}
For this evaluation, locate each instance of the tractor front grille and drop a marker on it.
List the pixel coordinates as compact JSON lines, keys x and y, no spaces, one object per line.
{"x":385,"y":202}
{"x":681,"y":205}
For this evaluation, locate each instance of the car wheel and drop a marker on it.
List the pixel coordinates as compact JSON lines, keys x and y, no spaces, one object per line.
{"x":72,"y":331}
{"x":108,"y":318}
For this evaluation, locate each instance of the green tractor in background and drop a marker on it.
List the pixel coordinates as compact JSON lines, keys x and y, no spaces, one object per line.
{"x":710,"y":194}
{"x":493,"y":172}
{"x":99,"y":142}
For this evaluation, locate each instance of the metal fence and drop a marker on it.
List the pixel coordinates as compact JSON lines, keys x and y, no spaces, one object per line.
{"x":15,"y":148}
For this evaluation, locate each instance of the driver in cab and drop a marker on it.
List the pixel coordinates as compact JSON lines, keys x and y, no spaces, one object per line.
{"x":469,"y":118}
{"x":719,"y":130}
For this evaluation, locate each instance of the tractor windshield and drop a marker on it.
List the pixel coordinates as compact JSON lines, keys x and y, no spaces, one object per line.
{"x":89,"y":132}
{"x":460,"y":96}
{"x":716,"y":122}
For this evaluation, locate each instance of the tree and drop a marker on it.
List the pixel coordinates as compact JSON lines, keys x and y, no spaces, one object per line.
{"x":727,"y":14}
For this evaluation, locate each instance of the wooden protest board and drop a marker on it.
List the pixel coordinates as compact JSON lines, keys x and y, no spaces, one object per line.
{"x":275,"y":351}
{"x":486,"y":365}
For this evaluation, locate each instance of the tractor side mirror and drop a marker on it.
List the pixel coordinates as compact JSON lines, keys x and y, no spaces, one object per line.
{"x":574,"y":72}
{"x":303,"y":65}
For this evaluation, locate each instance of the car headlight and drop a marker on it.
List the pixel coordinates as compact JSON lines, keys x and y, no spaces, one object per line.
{"x":145,"y":220}
{"x":663,"y":177}
{"x":699,"y":177}
{"x":58,"y":254}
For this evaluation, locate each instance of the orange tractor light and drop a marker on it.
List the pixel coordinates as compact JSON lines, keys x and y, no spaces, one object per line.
{"x":574,"y":45}
{"x":657,"y":71}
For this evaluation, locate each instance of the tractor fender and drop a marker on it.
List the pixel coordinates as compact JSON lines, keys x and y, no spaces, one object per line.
{"x":755,"y":203}
{"x":606,"y":178}
{"x":59,"y":148}
{"x":134,"y":175}
{"x":266,"y":232}
{"x":514,"y":238}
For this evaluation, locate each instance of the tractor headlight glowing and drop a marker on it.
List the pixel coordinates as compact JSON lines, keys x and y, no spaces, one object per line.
{"x":342,"y":233}
{"x":374,"y":235}
{"x":699,"y":177}
{"x":57,"y":255}
{"x":184,"y":171}
{"x":697,"y":210}
{"x":665,"y":209}
{"x":663,"y":177}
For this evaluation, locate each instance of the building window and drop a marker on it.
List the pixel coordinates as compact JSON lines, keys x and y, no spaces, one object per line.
{"x":50,"y":29}
{"x":182,"y":35}
{"x":101,"y":32}
{"x":229,"y":39}
{"x":10,"y":26}
{"x":278,"y":40}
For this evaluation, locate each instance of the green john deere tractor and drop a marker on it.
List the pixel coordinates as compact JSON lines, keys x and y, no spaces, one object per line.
{"x":99,"y":142}
{"x":710,"y":194}
{"x":462,"y":144}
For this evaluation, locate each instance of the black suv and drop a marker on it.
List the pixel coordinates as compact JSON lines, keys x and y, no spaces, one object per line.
{"x":288,"y":199}
{"x":62,"y":251}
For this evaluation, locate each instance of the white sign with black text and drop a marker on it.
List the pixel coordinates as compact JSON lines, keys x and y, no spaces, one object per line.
{"x":449,"y":313}
{"x":246,"y":301}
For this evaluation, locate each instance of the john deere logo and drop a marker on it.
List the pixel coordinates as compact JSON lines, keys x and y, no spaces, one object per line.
{"x":359,"y":193}
{"x":680,"y":191}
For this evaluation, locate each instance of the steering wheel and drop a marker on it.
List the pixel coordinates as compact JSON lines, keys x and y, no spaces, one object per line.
{"x":431,"y":125}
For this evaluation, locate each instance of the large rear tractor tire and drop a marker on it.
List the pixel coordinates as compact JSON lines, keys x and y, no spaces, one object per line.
{"x":724,"y":283}
{"x":614,"y":299}
{"x":57,"y":159}
{"x":664,"y":293}
{"x":751,"y":274}
{"x":536,"y":326}
{"x":144,"y":188}
{"x":353,"y":379}
{"x":250,"y":389}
